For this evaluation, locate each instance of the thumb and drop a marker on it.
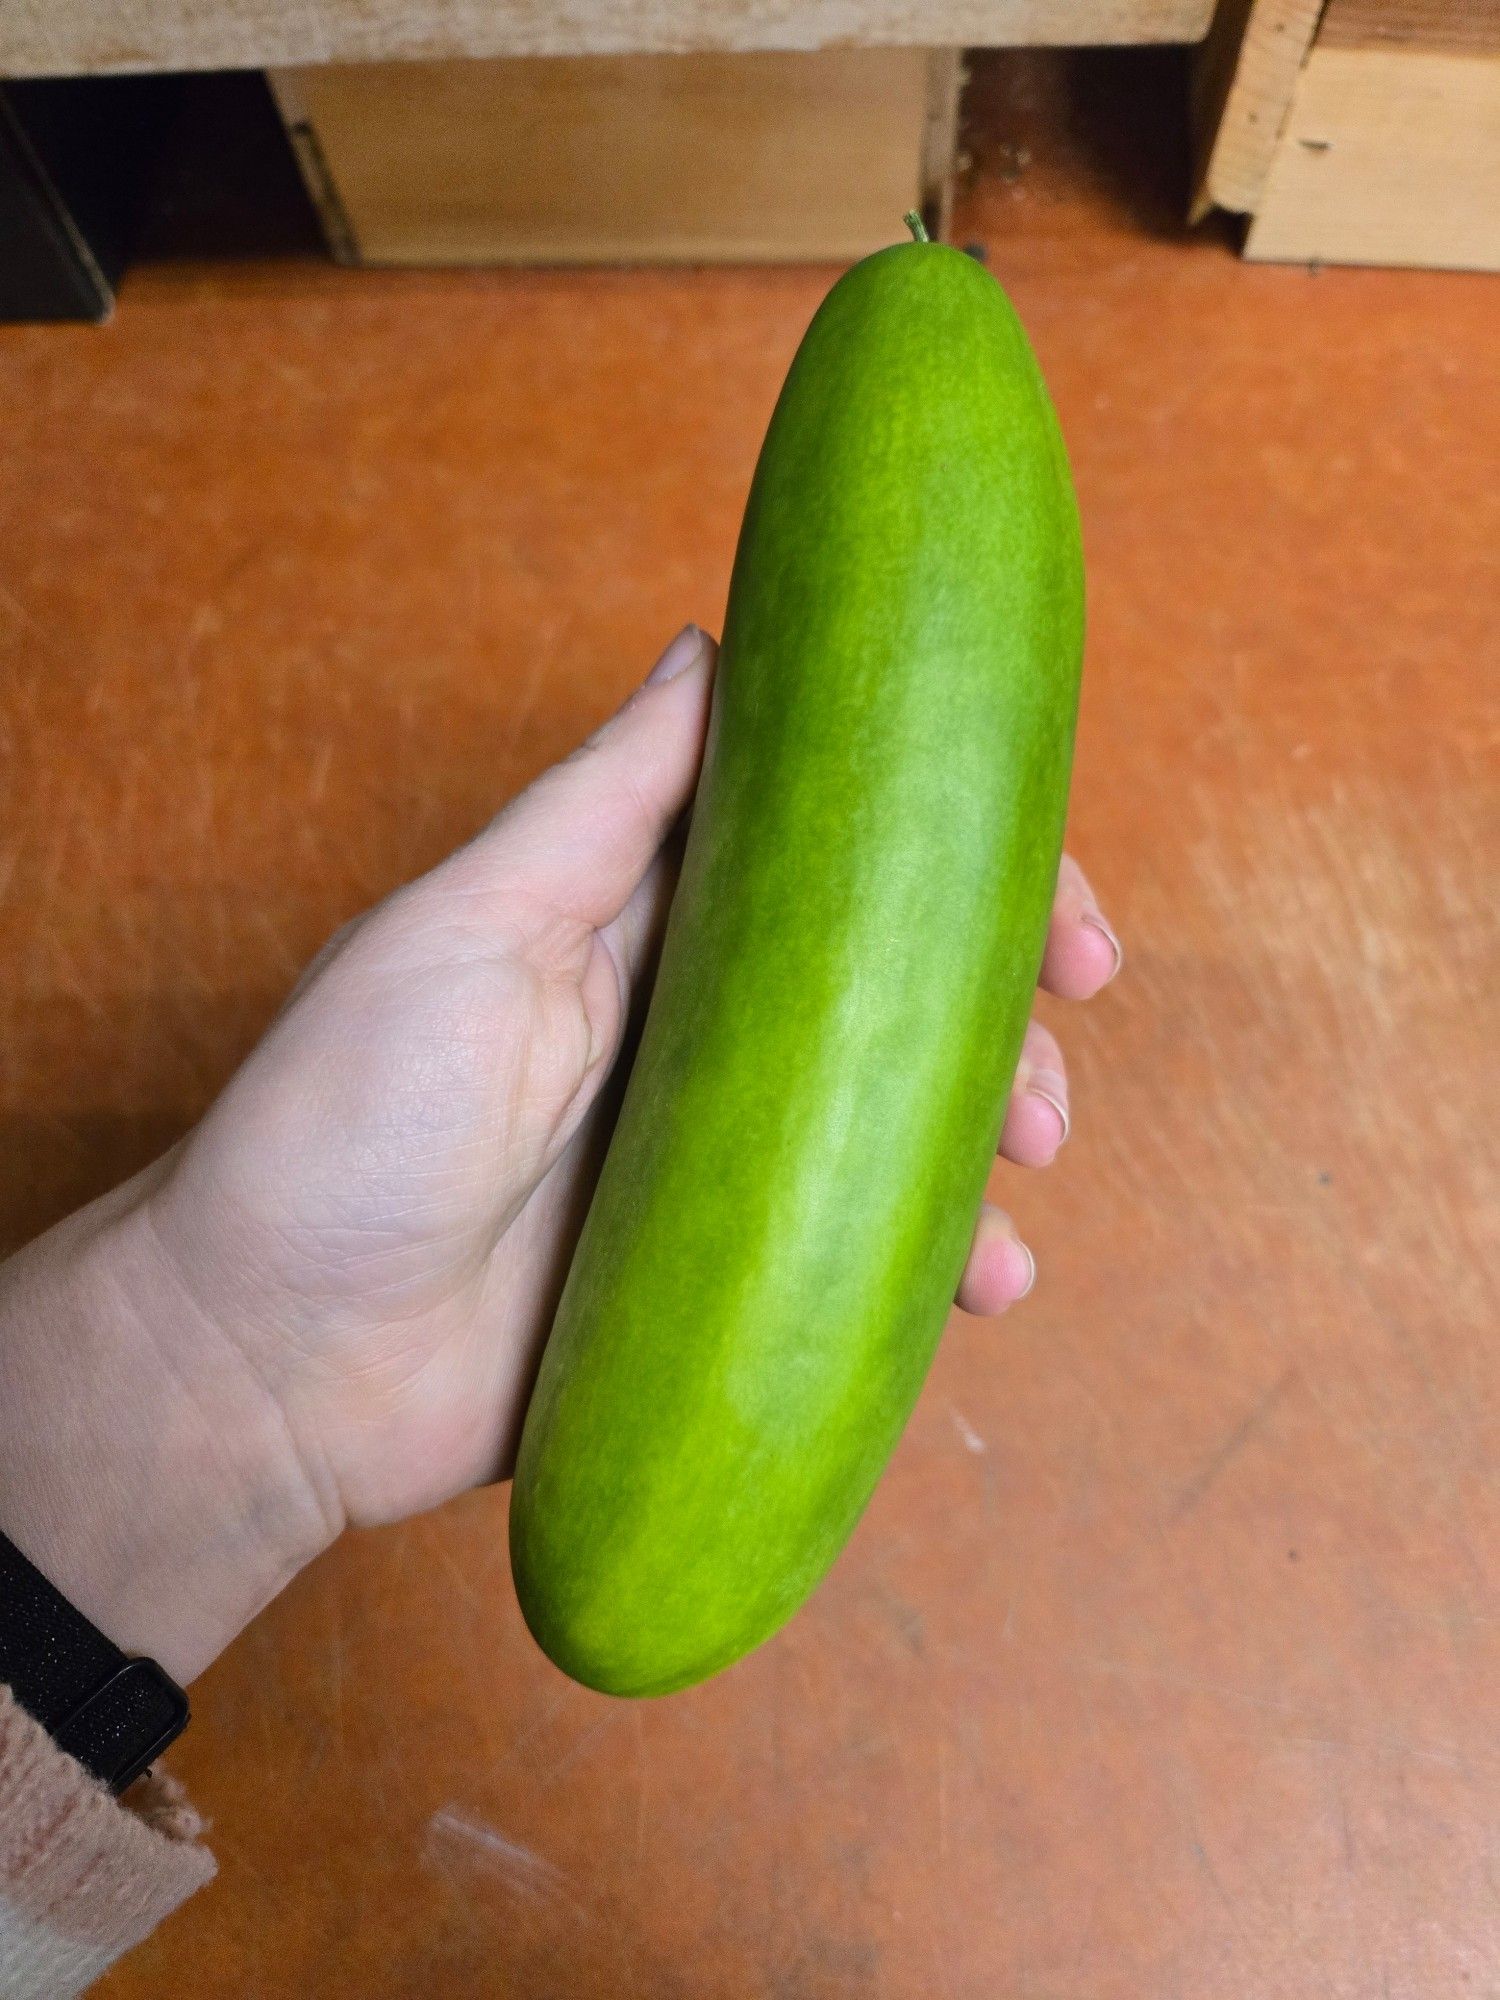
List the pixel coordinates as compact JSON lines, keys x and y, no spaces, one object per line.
{"x":577,"y":842}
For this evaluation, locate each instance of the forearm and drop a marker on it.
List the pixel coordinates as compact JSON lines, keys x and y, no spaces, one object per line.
{"x":143,"y":1467}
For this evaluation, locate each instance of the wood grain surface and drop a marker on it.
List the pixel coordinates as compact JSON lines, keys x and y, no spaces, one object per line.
{"x":1390,"y":155}
{"x":1435,"y":25}
{"x":1244,"y":75}
{"x":774,"y":157}
{"x":1415,"y":179}
{"x":1167,"y":1660}
{"x":66,"y":37}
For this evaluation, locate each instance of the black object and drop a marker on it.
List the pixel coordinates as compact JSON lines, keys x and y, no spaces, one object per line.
{"x":97,"y":172}
{"x":47,"y":269}
{"x":227,"y":185}
{"x":78,"y":156}
{"x":113,"y":1713}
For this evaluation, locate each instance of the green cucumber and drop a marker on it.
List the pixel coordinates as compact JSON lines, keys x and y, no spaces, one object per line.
{"x":788,"y":1199}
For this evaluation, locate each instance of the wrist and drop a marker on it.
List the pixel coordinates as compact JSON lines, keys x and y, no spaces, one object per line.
{"x":144,"y":1468}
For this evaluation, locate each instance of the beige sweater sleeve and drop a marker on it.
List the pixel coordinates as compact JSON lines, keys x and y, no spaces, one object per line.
{"x":83,"y":1876}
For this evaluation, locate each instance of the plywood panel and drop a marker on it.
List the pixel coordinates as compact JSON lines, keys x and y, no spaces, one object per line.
{"x":1243,"y":79}
{"x":48,"y":37}
{"x":622,"y":159}
{"x":1391,"y":156}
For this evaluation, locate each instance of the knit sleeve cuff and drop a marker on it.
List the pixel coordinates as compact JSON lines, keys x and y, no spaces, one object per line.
{"x":83,"y":1876}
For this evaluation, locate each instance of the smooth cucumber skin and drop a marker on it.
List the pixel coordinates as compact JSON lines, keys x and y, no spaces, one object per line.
{"x":788,"y":1199}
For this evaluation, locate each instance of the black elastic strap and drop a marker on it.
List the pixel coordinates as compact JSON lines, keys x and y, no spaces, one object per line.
{"x":113,"y":1713}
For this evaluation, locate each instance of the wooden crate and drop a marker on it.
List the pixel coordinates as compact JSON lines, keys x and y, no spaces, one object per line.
{"x":1362,"y":132}
{"x":624,"y":159}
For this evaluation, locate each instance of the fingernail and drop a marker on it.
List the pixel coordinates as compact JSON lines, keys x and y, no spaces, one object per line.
{"x":1097,"y":923}
{"x":1025,"y":1251}
{"x":679,"y":656}
{"x":1002,"y":1221}
{"x":1051,"y":1089}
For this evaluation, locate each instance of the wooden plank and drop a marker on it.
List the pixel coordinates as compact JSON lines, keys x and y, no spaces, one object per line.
{"x":945,"y":83}
{"x":1243,"y":81}
{"x":1391,"y":156}
{"x":52,"y":37}
{"x":1441,"y":27}
{"x":624,"y":159}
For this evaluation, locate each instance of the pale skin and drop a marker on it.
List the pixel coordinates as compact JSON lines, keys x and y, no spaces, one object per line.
{"x":326,"y":1304}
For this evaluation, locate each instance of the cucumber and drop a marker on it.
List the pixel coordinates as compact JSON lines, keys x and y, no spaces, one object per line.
{"x":849,"y":964}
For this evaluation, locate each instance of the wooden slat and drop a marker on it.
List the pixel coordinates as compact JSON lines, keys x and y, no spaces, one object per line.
{"x":1438,"y":26}
{"x":945,"y":82}
{"x":1391,"y":156}
{"x":50,"y":37}
{"x":624,"y":159}
{"x":1242,"y":92}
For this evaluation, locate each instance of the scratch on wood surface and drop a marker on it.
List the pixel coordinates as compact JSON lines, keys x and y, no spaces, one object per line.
{"x":585,"y":1741}
{"x":336,"y":1678}
{"x":461,"y":1583}
{"x":1346,"y":1829}
{"x":550,"y":1710}
{"x":791,"y":1643}
{"x":1131,"y":1673}
{"x":1396,"y":1746}
{"x":639,"y":1721}
{"x":1229,"y":1448}
{"x":454,"y":1835}
{"x":1130,"y":1670}
{"x":204,"y":619}
{"x":238,"y":1859}
{"x":1369,"y":944}
{"x":1180,"y":1790}
{"x":968,"y":1436}
{"x":318,"y":770}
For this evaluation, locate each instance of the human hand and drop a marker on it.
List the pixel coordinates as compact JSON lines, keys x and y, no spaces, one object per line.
{"x":340,"y":1282}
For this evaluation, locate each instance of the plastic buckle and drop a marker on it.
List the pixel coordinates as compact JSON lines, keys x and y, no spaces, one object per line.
{"x":126,"y":1722}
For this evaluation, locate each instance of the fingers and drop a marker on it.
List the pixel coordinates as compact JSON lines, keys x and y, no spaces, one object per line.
{"x":1083,"y":953}
{"x":1000,"y":1269}
{"x":574,"y":846}
{"x":1037,"y":1118}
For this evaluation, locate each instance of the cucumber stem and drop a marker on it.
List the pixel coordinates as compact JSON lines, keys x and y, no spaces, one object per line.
{"x":917,"y":226}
